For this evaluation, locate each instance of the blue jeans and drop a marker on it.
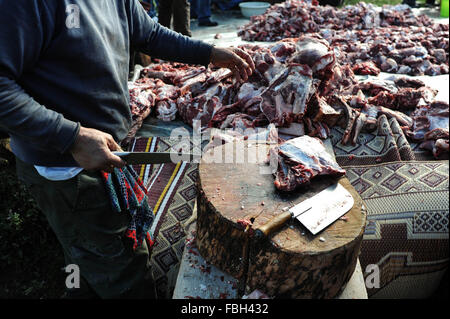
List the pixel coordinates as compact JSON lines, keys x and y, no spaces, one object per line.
{"x":202,"y":9}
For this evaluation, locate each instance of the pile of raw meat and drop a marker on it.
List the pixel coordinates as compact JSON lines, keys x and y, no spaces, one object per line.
{"x":400,"y":50}
{"x":299,"y":86}
{"x":391,"y":39}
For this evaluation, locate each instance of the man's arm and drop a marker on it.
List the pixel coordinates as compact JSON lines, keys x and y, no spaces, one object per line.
{"x":26,"y":25}
{"x":157,"y":41}
{"x":151,"y":38}
{"x":92,"y":149}
{"x":21,"y":41}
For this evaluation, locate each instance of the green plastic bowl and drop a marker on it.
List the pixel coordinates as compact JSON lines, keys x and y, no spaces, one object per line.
{"x":249,"y":9}
{"x":444,"y":8}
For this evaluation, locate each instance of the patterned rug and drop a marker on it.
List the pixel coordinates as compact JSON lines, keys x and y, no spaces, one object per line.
{"x":406,"y":194}
{"x":172,"y":195}
{"x":407,"y":201}
{"x":386,"y":144}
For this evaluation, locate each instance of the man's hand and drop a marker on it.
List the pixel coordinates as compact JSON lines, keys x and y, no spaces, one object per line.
{"x":92,"y":150}
{"x":234,"y":59}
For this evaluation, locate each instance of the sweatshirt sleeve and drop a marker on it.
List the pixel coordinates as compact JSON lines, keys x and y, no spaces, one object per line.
{"x":25,"y":24}
{"x":157,"y":41}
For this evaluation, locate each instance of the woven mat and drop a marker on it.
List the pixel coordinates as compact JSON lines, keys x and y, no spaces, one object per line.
{"x":405,"y":191}
{"x":406,"y":196}
{"x":172,"y":195}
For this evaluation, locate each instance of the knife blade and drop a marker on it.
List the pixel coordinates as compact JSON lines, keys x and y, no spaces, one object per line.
{"x":315,"y":213}
{"x":133,"y":158}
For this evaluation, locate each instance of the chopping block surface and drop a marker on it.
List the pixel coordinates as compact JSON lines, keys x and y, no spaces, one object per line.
{"x":237,"y":194}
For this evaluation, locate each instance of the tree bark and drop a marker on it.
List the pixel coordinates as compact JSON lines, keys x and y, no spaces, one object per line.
{"x":235,"y":198}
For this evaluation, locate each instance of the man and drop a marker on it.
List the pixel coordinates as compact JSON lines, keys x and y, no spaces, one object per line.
{"x":201,"y":9}
{"x":64,"y":101}
{"x":176,"y":12}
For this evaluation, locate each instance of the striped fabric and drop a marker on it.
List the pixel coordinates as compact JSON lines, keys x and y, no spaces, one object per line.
{"x":127,"y":193}
{"x":161,"y":181}
{"x":171,"y":193}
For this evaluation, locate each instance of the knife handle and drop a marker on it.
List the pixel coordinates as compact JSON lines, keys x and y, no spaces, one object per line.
{"x":273,"y":224}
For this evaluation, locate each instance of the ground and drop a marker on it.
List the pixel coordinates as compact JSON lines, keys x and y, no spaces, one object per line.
{"x":30,"y":256}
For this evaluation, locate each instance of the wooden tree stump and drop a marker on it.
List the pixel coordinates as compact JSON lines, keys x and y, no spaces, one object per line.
{"x":291,"y":262}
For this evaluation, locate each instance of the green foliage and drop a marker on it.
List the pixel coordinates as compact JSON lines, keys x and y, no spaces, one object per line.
{"x":30,"y":255}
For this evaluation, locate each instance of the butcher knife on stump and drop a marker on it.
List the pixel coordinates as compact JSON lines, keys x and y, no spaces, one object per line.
{"x":315,"y":213}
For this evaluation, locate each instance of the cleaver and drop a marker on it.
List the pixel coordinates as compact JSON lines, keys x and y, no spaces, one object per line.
{"x":133,"y":158}
{"x":315,"y":213}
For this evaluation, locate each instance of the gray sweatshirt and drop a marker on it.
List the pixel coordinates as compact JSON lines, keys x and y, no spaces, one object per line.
{"x":65,"y":63}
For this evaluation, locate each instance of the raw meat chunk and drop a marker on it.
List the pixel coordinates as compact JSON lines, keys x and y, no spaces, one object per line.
{"x":300,"y":160}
